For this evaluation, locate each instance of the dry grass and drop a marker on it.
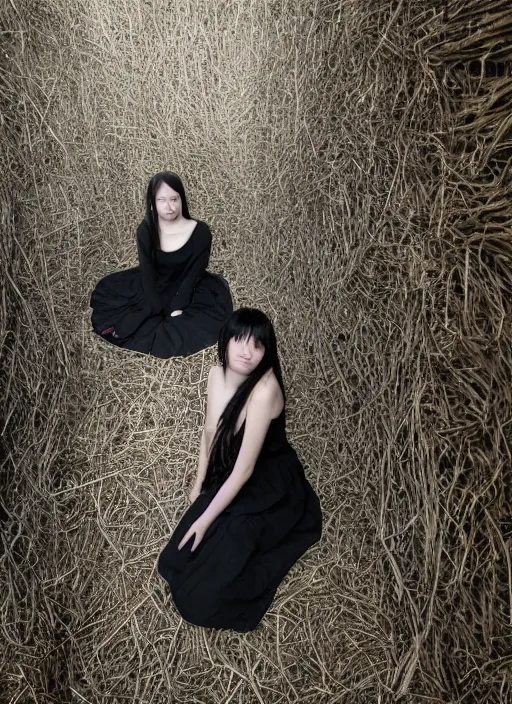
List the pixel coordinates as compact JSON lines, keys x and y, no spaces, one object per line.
{"x":353,"y":160}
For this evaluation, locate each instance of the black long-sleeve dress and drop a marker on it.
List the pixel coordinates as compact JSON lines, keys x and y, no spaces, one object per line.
{"x":230,"y":579}
{"x":131,"y":308}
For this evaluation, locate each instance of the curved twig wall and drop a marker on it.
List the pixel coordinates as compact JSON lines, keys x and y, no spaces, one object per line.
{"x":353,"y":160}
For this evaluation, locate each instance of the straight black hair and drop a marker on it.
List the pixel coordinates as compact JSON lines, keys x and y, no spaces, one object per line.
{"x":244,"y":322}
{"x":175,"y":182}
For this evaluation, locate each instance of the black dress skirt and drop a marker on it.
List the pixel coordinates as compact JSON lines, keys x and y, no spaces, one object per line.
{"x":230,"y":580}
{"x":132,"y":308}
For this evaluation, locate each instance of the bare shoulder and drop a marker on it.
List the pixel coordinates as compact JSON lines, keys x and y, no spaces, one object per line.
{"x":267,"y":392}
{"x":215,"y":376}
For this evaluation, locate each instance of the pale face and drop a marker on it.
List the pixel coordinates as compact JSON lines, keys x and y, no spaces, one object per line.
{"x":244,"y":355}
{"x":168,"y":203}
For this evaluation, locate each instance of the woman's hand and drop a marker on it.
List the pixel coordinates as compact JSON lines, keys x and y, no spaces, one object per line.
{"x":176,"y":312}
{"x":198,"y":528}
{"x":194,"y":493}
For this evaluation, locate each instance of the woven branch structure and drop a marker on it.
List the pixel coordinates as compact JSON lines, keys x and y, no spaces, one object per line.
{"x":354,"y":162}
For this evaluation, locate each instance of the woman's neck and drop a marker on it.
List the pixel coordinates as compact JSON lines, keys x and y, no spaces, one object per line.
{"x":233,"y":379}
{"x":172,"y":228}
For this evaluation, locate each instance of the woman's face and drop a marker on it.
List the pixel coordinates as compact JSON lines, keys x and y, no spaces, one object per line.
{"x":244,"y":355}
{"x":168,"y":203}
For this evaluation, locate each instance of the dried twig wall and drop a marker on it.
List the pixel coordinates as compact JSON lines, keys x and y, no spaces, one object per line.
{"x":353,"y":160}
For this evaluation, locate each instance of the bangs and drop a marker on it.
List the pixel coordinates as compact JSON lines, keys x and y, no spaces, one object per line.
{"x":258,"y":332}
{"x":249,"y":322}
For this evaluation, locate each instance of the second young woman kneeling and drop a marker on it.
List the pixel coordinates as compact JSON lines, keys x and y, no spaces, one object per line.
{"x":253,"y":512}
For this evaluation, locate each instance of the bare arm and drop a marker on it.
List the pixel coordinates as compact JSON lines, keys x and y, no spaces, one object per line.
{"x":204,"y":448}
{"x":202,"y":465}
{"x":260,"y":411}
{"x":259,"y":416}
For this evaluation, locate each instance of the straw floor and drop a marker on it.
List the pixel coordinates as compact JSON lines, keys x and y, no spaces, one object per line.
{"x":353,"y":159}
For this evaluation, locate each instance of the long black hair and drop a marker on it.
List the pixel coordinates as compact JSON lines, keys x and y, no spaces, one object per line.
{"x":243,"y":323}
{"x":175,"y":182}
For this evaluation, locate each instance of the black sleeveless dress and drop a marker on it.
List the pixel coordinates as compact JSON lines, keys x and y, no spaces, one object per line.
{"x":231,"y":578}
{"x":131,"y":308}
